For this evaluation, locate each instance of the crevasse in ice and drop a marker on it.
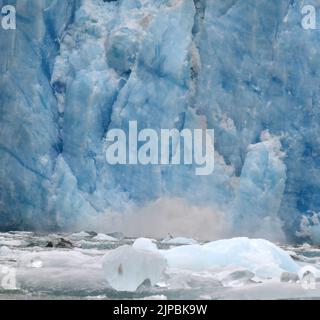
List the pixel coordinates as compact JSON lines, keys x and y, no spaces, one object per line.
{"x":75,"y":69}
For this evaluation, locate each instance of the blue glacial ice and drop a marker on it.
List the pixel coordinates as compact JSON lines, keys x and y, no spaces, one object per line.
{"x":75,"y":69}
{"x":128,"y":267}
{"x":261,"y":257}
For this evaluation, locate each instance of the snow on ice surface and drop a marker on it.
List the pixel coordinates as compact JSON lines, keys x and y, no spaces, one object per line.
{"x":74,"y":69}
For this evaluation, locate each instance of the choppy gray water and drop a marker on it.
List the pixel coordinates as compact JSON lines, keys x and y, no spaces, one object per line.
{"x":69,"y":266}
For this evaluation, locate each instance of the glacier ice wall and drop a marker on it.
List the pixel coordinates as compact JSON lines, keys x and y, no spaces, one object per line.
{"x":30,"y":141}
{"x":75,"y":69}
{"x":264,"y":75}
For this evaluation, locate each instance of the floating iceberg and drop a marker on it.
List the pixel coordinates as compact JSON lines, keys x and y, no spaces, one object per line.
{"x":104,"y":237}
{"x":5,"y":251}
{"x":260,"y":257}
{"x":179,"y":240}
{"x":80,"y":235}
{"x":128,"y":267}
{"x":233,"y":262}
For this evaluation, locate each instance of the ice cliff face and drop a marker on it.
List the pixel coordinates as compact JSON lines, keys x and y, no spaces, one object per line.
{"x":75,"y":69}
{"x":30,"y":142}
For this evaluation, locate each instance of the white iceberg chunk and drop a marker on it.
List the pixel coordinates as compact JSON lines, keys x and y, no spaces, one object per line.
{"x":5,"y":251}
{"x":234,"y":277}
{"x":180,"y":241}
{"x":156,"y":298}
{"x":80,"y":235}
{"x":12,"y":243}
{"x":261,"y":257}
{"x":145,"y":244}
{"x":104,"y":237}
{"x":127,"y":268}
{"x":60,"y":259}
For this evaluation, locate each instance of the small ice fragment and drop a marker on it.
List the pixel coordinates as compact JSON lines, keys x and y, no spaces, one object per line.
{"x":238,"y":278}
{"x":5,"y":251}
{"x":306,"y":246}
{"x":80,"y":235}
{"x":309,"y":274}
{"x":104,"y":237}
{"x":145,"y":244}
{"x":156,"y":298}
{"x":36,"y":263}
{"x":289,"y":277}
{"x":179,"y":241}
{"x":12,"y":243}
{"x":117,"y":235}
